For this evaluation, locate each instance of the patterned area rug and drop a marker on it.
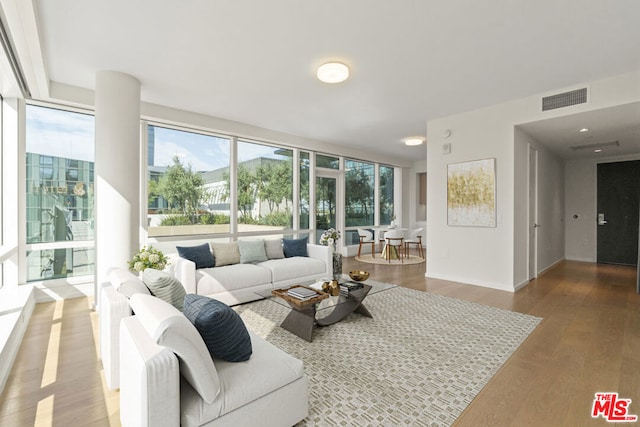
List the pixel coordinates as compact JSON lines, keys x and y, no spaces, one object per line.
{"x":420,"y":361}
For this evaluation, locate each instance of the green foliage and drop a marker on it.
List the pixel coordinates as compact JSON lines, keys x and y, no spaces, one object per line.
{"x":182,"y":188}
{"x":277,"y":219}
{"x":175,"y":220}
{"x":211,"y":218}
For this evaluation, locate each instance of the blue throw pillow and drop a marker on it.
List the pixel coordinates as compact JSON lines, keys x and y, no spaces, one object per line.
{"x":221,"y":328}
{"x":295,"y":247}
{"x":201,"y":255}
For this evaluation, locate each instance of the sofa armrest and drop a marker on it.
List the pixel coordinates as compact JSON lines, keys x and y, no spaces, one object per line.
{"x":113,"y":308}
{"x":149,"y":379}
{"x":322,"y":253}
{"x":185,"y":271}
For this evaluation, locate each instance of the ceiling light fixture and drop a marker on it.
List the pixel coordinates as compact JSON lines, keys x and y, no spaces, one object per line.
{"x":413,"y":141}
{"x":599,"y":150}
{"x":583,"y":130}
{"x":333,"y":72}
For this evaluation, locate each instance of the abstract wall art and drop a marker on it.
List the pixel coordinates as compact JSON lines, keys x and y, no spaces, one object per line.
{"x":471,"y":193}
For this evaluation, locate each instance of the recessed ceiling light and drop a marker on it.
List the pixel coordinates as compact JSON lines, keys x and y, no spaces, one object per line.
{"x":413,"y":141}
{"x":583,"y":130}
{"x":333,"y":72}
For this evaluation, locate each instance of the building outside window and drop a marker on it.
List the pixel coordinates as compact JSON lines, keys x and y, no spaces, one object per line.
{"x":59,"y":199}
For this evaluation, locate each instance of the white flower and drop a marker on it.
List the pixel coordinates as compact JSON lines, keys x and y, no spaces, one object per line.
{"x":330,"y":241}
{"x":138,"y":266}
{"x":144,"y":255}
{"x":154,"y":258}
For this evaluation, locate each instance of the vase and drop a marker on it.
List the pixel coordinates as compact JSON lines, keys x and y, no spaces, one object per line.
{"x":337,"y":265}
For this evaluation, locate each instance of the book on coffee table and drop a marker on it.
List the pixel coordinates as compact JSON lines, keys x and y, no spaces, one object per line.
{"x":302,"y":293}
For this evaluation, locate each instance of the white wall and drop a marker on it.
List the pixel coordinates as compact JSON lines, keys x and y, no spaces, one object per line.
{"x":493,"y":257}
{"x":581,"y":199}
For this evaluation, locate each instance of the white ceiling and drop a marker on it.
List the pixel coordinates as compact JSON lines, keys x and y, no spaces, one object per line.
{"x":411,"y":60}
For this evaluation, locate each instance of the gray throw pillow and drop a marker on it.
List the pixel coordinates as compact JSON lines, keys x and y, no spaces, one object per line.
{"x":222,"y":329}
{"x":274,"y":249}
{"x":164,"y":286}
{"x":251,"y":251}
{"x":226,"y":253}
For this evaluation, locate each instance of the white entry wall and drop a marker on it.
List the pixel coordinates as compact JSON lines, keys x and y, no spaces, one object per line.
{"x":496,"y":257}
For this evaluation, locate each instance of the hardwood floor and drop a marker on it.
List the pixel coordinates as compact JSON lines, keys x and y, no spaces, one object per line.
{"x":588,"y":342}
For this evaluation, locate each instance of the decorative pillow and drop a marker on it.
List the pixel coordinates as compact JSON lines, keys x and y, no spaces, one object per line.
{"x":171,"y":329}
{"x":221,"y":328}
{"x":226,"y":253}
{"x":164,"y":286}
{"x":251,"y":251}
{"x":295,"y":247}
{"x":273,"y":249}
{"x":201,"y":255}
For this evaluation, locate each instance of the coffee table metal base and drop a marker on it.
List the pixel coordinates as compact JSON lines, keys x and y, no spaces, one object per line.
{"x":301,"y":320}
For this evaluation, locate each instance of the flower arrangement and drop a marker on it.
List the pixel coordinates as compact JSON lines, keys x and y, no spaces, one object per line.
{"x":330,"y":237}
{"x":148,"y":258}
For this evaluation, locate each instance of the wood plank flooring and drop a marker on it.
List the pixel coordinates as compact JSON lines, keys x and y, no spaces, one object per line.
{"x":588,"y":342}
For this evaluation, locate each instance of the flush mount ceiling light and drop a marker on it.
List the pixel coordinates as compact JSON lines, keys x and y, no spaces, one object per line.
{"x":413,"y":141}
{"x":583,"y":130}
{"x":333,"y":72}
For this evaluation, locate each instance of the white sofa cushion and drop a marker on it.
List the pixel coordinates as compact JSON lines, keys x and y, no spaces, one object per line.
{"x":269,"y":369}
{"x":126,"y":282}
{"x":292,"y":268}
{"x":171,"y":329}
{"x":230,"y":278}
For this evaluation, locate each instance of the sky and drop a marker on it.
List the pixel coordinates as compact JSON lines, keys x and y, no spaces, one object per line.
{"x":70,"y":135}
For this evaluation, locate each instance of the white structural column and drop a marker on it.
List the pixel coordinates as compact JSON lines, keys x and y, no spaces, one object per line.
{"x":117,"y":171}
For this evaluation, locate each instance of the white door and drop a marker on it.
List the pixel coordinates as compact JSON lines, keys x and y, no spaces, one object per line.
{"x":533,"y":213}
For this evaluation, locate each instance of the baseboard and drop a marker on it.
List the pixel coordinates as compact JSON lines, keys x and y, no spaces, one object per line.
{"x":468,"y":281}
{"x":16,"y":307}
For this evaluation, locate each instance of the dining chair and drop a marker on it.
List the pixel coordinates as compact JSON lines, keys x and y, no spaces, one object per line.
{"x":366,"y":236}
{"x":414,"y":238}
{"x":394,"y":239}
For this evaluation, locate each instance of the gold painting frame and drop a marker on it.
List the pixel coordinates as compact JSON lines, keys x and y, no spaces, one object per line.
{"x":471,"y":193}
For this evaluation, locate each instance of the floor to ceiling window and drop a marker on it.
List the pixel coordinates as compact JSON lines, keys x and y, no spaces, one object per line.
{"x":265,"y":188}
{"x":187,"y":182}
{"x":359,"y":199}
{"x":59,"y":193}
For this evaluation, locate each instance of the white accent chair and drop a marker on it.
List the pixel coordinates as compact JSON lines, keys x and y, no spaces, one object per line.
{"x":414,"y":238}
{"x":366,"y":237}
{"x":394,"y":239}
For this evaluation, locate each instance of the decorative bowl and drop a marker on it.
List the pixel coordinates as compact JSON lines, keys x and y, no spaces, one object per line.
{"x":359,"y":275}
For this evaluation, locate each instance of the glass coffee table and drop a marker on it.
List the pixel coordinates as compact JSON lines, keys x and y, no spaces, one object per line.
{"x":323,"y":311}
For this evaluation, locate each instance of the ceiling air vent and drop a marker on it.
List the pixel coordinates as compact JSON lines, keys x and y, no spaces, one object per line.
{"x":566,"y":99}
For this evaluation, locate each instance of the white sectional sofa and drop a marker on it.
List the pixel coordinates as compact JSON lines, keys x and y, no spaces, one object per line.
{"x":231,"y":284}
{"x":158,"y":388}
{"x":238,"y":283}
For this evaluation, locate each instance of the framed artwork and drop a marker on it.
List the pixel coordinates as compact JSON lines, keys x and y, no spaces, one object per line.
{"x":471,"y":193}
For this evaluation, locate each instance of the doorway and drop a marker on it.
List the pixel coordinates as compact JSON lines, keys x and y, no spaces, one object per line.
{"x":618,"y":201}
{"x":533,"y":213}
{"x":328,"y":201}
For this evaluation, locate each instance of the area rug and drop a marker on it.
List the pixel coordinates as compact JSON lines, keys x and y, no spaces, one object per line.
{"x":419,"y":361}
{"x":413,"y":259}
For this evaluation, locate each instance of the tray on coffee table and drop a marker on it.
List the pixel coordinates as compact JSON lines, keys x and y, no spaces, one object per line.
{"x":282,"y":293}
